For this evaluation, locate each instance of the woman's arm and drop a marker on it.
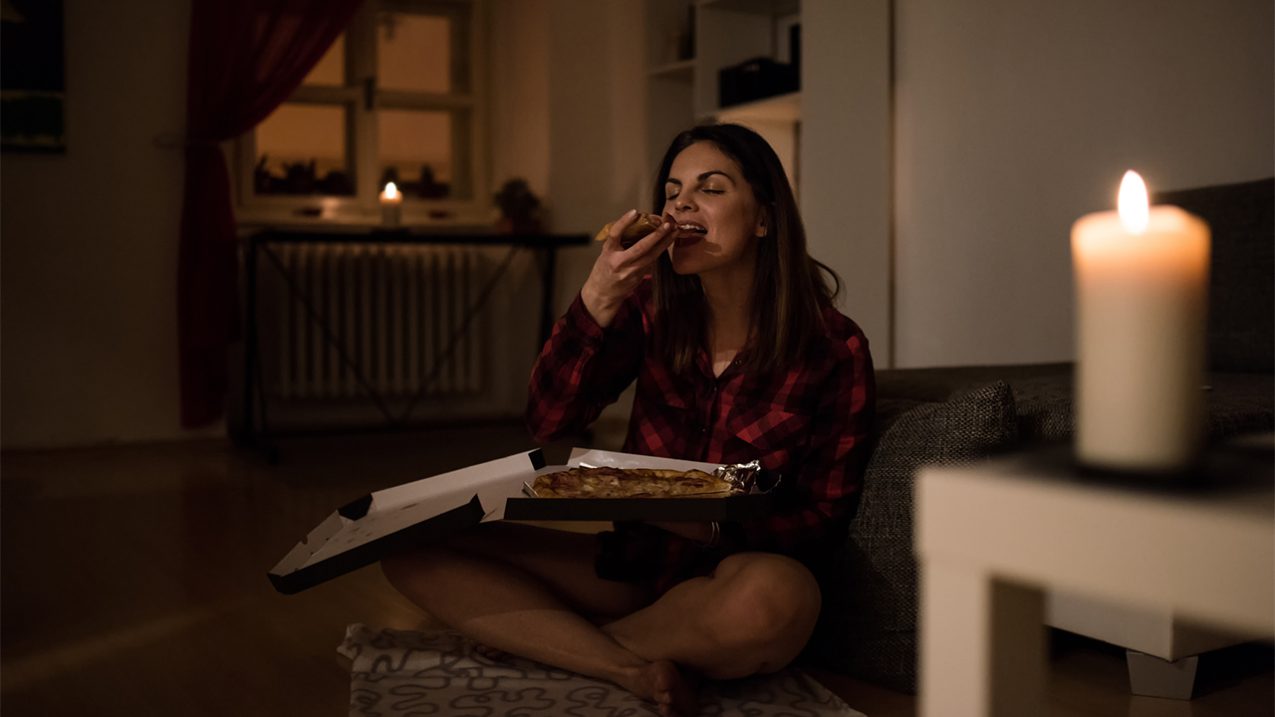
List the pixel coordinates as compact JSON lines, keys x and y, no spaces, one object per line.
{"x":583,"y":368}
{"x":595,"y":350}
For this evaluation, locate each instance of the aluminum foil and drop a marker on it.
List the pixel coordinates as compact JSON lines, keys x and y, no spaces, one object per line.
{"x":741,"y":476}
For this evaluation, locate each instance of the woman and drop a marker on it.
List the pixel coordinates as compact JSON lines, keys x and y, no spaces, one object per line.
{"x":738,"y":355}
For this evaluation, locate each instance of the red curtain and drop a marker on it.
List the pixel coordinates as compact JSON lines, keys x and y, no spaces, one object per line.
{"x":246,"y":58}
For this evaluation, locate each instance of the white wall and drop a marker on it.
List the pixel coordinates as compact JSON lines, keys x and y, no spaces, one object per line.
{"x":845,"y":155}
{"x":89,"y":240}
{"x":568,"y":115}
{"x":597,"y":119}
{"x":518,"y":49}
{"x":1015,"y":117}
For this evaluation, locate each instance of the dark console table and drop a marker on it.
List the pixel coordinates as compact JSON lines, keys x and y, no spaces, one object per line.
{"x":260,"y":244}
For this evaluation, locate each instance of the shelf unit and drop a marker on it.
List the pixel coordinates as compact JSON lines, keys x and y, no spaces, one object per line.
{"x":683,"y":90}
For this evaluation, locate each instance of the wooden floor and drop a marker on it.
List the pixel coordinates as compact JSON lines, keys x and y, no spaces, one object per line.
{"x":134,"y":583}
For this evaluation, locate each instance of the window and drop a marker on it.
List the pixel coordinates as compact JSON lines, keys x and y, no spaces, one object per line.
{"x":396,"y":98}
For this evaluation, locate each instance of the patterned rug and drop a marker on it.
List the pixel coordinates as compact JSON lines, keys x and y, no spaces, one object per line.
{"x":397,"y":673}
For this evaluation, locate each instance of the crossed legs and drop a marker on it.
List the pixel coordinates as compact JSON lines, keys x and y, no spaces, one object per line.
{"x":528,"y":590}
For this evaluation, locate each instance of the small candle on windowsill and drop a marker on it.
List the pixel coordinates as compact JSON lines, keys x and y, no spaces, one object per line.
{"x":391,"y":205}
{"x":1141,"y":278}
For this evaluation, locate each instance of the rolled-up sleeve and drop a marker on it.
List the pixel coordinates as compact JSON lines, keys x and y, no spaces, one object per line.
{"x":583,"y":368}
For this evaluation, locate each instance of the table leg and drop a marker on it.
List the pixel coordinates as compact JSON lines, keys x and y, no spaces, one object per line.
{"x":250,"y":357}
{"x":1151,"y":676}
{"x":982,"y":644}
{"x":547,"y":317}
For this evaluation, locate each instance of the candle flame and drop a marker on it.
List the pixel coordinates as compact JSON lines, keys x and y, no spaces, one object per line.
{"x":391,"y":191}
{"x":1133,"y":204}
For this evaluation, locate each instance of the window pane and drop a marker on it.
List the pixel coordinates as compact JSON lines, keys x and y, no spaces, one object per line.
{"x":331,"y":68}
{"x":301,"y":149}
{"x":413,"y":52}
{"x":417,"y":152}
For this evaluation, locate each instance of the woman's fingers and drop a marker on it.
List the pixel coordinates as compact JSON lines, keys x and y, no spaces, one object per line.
{"x":618,"y":271}
{"x":615,"y":230}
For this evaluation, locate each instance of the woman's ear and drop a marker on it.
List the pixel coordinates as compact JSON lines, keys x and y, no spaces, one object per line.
{"x":763,"y":221}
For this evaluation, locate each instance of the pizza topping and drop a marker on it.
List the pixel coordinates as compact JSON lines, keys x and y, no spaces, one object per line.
{"x":608,"y":482}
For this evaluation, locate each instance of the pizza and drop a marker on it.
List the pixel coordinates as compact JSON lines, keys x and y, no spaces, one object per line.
{"x":607,"y":482}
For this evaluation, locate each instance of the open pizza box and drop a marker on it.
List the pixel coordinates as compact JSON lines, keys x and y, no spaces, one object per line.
{"x":378,"y":524}
{"x":365,"y":530}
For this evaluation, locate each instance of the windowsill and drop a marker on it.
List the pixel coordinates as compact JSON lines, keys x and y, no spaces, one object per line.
{"x":458,"y":222}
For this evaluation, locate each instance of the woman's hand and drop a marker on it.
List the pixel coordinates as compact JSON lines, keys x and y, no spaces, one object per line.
{"x":618,"y":271}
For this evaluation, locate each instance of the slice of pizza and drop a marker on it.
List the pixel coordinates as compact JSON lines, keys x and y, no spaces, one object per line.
{"x":608,"y":482}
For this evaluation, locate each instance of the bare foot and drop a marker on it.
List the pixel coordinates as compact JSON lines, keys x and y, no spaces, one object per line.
{"x":662,"y":683}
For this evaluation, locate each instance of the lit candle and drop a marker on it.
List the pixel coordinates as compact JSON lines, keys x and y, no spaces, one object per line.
{"x":1141,"y":304}
{"x":391,"y":205}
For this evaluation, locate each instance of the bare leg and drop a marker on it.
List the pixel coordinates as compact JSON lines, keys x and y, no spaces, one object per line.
{"x":752,"y":615}
{"x":521,"y":590}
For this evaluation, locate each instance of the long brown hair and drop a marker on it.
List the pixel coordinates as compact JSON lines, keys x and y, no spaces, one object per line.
{"x":788,"y":287}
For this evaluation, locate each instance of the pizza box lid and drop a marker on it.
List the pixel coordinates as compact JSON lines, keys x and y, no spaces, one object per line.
{"x":365,"y":530}
{"x":734,"y":507}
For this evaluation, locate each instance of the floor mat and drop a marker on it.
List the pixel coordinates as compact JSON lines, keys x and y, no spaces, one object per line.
{"x":396,"y":673}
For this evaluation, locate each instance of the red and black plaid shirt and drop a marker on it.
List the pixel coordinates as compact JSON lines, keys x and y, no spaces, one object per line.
{"x":810,"y":423}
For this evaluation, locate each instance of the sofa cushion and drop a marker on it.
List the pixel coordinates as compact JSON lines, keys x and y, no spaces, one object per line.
{"x":868,"y":627}
{"x":1239,"y":403}
{"x":1042,"y":392}
{"x":1236,"y":402}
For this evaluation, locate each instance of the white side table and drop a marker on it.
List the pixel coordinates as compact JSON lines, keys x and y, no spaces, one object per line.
{"x":992,"y":538}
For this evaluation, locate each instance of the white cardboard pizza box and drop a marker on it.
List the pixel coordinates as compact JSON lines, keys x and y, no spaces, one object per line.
{"x":365,"y":530}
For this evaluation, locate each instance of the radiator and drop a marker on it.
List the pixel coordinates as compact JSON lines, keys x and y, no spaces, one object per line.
{"x":384,"y":321}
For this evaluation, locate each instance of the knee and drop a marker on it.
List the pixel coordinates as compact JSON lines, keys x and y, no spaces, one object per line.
{"x":768,"y":600}
{"x":397,"y":569}
{"x":413,"y":572}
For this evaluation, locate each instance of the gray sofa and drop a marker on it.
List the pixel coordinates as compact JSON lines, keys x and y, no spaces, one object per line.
{"x":955,"y":415}
{"x":968,"y":413}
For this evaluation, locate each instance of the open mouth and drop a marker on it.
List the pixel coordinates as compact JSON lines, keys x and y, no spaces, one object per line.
{"x":689,"y":228}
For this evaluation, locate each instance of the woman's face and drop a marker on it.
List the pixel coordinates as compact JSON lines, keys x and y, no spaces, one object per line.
{"x":718,"y":217}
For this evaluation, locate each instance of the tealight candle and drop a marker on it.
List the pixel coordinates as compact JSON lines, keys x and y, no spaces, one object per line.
{"x":391,"y":205}
{"x":1141,"y":278}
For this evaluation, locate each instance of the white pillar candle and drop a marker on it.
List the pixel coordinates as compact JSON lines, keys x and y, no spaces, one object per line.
{"x":1141,"y":305}
{"x":391,"y":205}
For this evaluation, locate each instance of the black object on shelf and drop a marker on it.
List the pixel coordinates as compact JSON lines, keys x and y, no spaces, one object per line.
{"x":756,"y":79}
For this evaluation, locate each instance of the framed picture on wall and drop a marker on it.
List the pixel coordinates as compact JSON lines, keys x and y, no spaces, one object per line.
{"x":32,"y":76}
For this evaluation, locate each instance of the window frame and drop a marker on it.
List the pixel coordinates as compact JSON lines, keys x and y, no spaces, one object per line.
{"x":362,"y":99}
